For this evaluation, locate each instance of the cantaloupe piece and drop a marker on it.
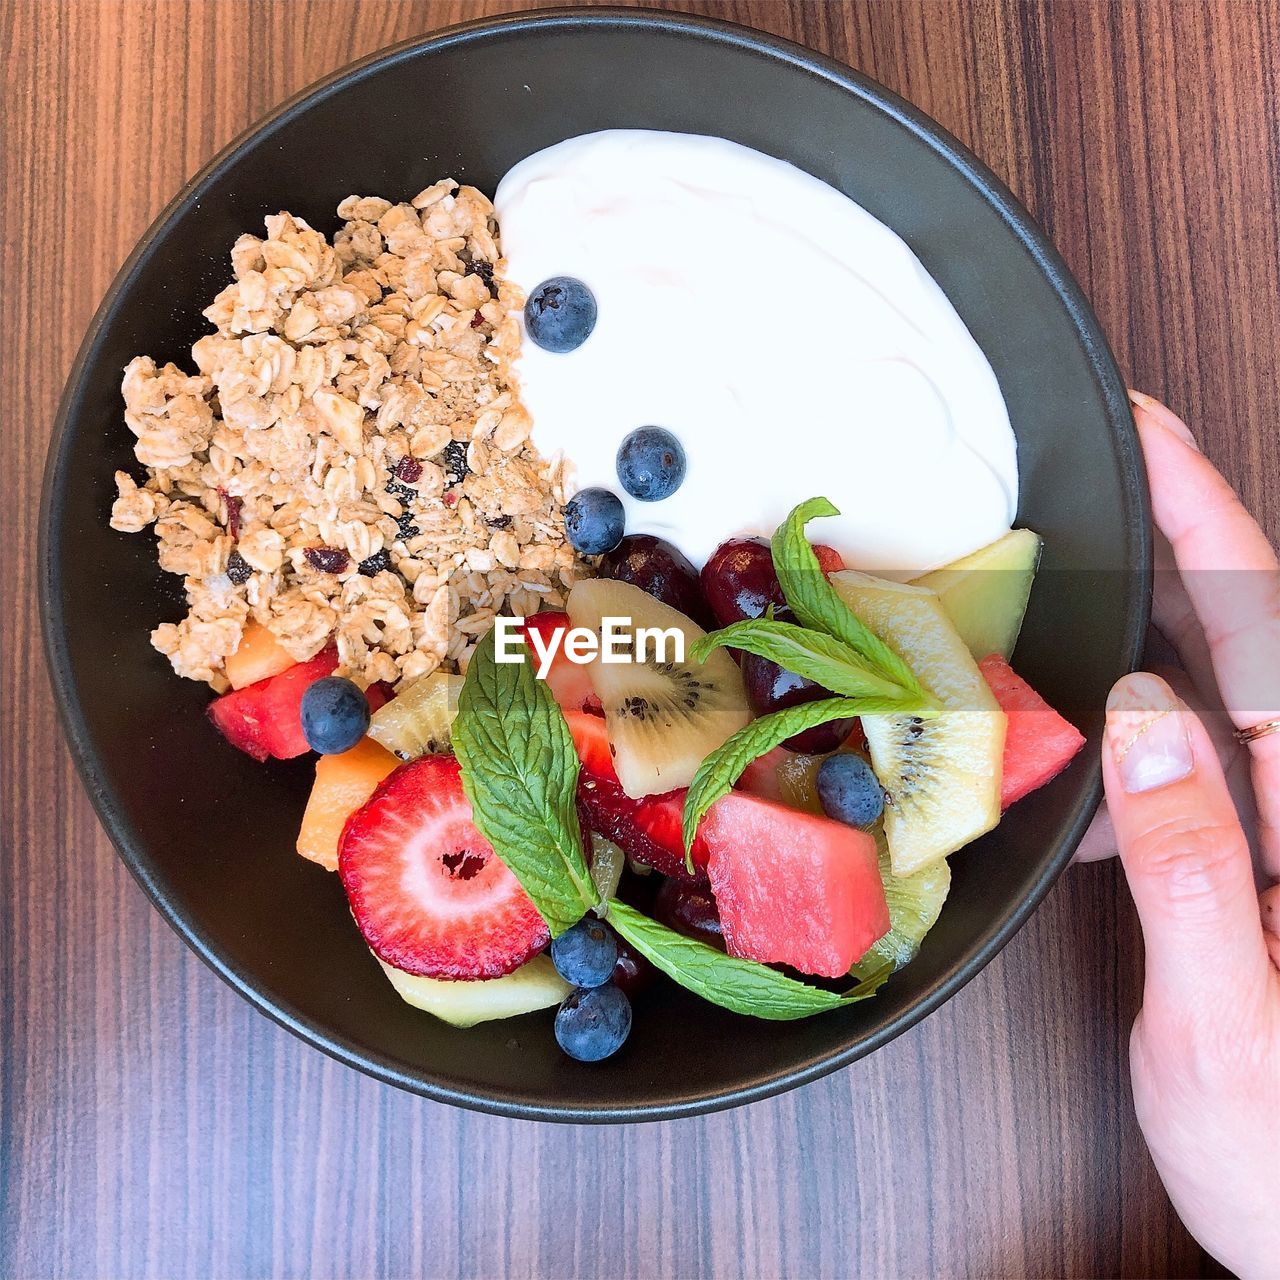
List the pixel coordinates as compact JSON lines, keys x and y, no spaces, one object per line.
{"x":343,"y":783}
{"x":258,"y":657}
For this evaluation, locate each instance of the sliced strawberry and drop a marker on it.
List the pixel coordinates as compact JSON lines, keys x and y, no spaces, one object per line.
{"x":263,"y":719}
{"x":661,"y":819}
{"x":1039,"y":743}
{"x":829,"y":559}
{"x":591,"y":738}
{"x":428,"y":892}
{"x":569,"y":682}
{"x":792,"y":888}
{"x":649,"y":829}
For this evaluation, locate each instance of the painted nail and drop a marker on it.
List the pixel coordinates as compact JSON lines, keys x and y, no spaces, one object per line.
{"x":1147,"y":734}
{"x":1164,"y":416}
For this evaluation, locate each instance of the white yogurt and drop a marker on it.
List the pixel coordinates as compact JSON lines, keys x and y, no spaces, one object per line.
{"x":792,"y":342}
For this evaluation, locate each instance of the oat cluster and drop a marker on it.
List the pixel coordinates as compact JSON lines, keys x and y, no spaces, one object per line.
{"x":350,"y":463}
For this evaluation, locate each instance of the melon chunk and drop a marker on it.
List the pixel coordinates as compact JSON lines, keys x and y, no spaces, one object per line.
{"x":1039,"y":743}
{"x":263,"y":719}
{"x":792,"y":888}
{"x":985,"y":594}
{"x":343,"y":783}
{"x":534,"y":985}
{"x":258,"y":656}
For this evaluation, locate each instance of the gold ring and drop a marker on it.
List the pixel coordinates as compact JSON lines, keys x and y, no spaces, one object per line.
{"x":1256,"y":731}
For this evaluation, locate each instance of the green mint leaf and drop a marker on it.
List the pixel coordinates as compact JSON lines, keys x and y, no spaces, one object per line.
{"x":723,"y":767}
{"x":742,"y":986}
{"x":812,"y":654}
{"x":816,"y":603}
{"x":520,"y":773}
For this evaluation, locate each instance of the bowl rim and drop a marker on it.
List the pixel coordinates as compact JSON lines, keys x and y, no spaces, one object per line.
{"x":88,"y":759}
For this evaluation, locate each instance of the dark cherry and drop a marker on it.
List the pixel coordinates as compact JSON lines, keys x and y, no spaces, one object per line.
{"x":771,"y":687}
{"x":739,"y":582}
{"x":632,"y":972}
{"x":657,"y":567}
{"x":690,"y":909}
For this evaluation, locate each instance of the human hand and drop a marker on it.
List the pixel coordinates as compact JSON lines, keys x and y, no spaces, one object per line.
{"x":1205,"y":1049}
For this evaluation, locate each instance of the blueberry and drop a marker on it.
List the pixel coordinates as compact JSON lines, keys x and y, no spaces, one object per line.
{"x":849,"y":791}
{"x":335,"y":715}
{"x":560,"y":314}
{"x":593,"y":1024}
{"x":651,"y":464}
{"x":584,"y":956}
{"x":594,"y":521}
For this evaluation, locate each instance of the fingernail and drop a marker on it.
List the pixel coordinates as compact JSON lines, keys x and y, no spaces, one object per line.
{"x":1147,"y":734}
{"x":1165,"y":416}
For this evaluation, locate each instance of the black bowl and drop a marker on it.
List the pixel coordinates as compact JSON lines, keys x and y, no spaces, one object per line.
{"x":209,"y":834}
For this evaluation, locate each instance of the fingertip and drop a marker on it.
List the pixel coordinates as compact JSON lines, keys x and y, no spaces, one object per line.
{"x":1183,"y":850}
{"x":1148,"y":411}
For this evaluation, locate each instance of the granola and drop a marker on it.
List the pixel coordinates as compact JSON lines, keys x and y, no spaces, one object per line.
{"x":350,"y":462}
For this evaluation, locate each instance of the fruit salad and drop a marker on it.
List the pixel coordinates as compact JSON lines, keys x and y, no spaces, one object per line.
{"x":765,"y":819}
{"x":569,"y":742}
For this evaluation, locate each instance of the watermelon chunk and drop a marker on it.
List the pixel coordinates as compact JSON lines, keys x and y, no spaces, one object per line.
{"x":793,"y":888}
{"x":263,"y":719}
{"x":1039,"y":743}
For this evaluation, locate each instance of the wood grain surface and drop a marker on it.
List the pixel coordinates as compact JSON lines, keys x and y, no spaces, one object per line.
{"x":151,"y":1124}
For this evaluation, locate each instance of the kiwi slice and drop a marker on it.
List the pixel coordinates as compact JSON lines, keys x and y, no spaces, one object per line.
{"x":985,"y":594}
{"x":941,"y":776}
{"x":418,"y":721}
{"x":534,"y":985}
{"x":664,"y":717}
{"x":915,"y":902}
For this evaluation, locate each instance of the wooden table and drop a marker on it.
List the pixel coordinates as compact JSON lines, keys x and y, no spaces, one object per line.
{"x":151,"y":1124}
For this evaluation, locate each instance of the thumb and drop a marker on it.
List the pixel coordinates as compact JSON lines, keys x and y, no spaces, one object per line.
{"x":1183,"y":850}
